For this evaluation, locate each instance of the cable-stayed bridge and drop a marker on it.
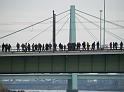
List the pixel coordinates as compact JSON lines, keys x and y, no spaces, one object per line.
{"x":102,"y":59}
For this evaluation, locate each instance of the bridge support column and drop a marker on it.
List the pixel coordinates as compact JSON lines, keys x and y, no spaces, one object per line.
{"x":73,"y":83}
{"x":72,"y":34}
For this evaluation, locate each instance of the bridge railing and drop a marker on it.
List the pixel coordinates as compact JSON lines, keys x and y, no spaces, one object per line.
{"x":81,"y":49}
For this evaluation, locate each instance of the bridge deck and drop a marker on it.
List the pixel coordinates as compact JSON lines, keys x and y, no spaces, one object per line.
{"x":50,"y":53}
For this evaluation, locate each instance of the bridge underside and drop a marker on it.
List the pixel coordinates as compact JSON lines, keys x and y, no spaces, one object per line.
{"x":63,"y":64}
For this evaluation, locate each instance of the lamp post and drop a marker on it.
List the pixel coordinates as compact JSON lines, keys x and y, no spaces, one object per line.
{"x":104,"y":27}
{"x":100,"y":26}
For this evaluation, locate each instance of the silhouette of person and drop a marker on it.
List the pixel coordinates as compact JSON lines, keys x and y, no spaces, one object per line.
{"x":36,"y":47}
{"x":47,"y":47}
{"x":88,"y":45}
{"x":84,"y":46}
{"x":97,"y":45}
{"x":78,"y":46}
{"x":64,"y":47}
{"x":73,"y":46}
{"x":54,"y":46}
{"x":116,"y":45}
{"x":60,"y":46}
{"x":39,"y":47}
{"x":9,"y":48}
{"x":18,"y":47}
{"x":50,"y":46}
{"x":22,"y":46}
{"x":29,"y":47}
{"x":3,"y":47}
{"x":110,"y":45}
{"x":69,"y":46}
{"x":93,"y":46}
{"x":25,"y":47}
{"x":121,"y":45}
{"x":113,"y":45}
{"x":43,"y":48}
{"x":33,"y":47}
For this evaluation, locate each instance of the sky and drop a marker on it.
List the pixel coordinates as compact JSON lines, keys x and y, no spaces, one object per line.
{"x":17,"y":14}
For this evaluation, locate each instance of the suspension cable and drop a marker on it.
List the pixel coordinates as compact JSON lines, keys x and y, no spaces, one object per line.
{"x":114,"y":35}
{"x":101,"y":19}
{"x":32,"y":25}
{"x":62,"y":13}
{"x":24,"y":28}
{"x":87,"y":30}
{"x":62,"y":27}
{"x":87,"y":20}
{"x":62,"y":18}
{"x":39,"y":33}
{"x":46,"y":29}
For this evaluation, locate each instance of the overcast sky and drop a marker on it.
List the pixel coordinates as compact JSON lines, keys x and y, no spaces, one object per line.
{"x":17,"y":14}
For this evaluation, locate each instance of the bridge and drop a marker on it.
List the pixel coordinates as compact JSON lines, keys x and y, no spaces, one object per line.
{"x":63,"y":62}
{"x":72,"y":61}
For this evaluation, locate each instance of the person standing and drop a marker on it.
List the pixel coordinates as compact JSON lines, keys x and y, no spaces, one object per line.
{"x":3,"y":47}
{"x":28,"y":47}
{"x":43,"y":48}
{"x":9,"y":48}
{"x":36,"y":47}
{"x":50,"y":46}
{"x":33,"y":47}
{"x":110,"y":45}
{"x":64,"y":47}
{"x":22,"y":47}
{"x":98,"y":45}
{"x":6,"y":47}
{"x":93,"y":46}
{"x":18,"y":47}
{"x":39,"y":47}
{"x":88,"y":45}
{"x":116,"y":45}
{"x":113,"y":45}
{"x":78,"y":45}
{"x":83,"y":46}
{"x":25,"y":47}
{"x":121,"y":45}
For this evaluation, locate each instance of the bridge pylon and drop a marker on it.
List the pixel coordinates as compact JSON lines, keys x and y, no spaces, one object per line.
{"x":72,"y":83}
{"x":72,"y":33}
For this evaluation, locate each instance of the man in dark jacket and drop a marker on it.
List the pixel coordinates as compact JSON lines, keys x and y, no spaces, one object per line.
{"x":3,"y":47}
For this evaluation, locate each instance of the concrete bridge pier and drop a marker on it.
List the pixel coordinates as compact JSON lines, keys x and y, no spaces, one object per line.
{"x":73,"y":83}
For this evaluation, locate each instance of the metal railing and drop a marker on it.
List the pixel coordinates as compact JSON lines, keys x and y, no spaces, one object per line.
{"x":105,"y":49}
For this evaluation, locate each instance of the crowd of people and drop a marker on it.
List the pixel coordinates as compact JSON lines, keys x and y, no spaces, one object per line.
{"x":6,"y":47}
{"x":27,"y":47}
